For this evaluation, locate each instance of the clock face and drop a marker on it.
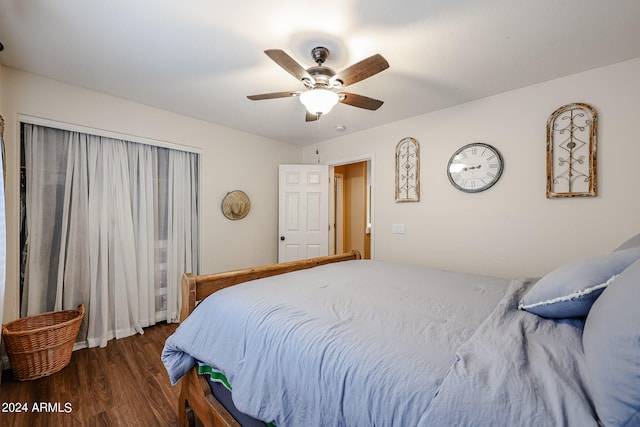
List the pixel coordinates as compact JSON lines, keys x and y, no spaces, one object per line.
{"x":475,"y":167}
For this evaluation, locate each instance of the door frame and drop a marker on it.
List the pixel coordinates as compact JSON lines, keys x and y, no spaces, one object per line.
{"x":368,"y":157}
{"x":337,"y":205}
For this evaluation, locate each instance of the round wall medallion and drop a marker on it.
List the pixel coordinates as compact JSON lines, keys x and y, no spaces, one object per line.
{"x":235,"y":205}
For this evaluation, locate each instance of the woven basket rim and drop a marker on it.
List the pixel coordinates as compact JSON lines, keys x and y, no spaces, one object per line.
{"x":79,"y":313}
{"x":37,"y":351}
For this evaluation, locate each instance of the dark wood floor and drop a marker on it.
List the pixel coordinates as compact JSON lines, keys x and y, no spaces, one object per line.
{"x":124,"y":384}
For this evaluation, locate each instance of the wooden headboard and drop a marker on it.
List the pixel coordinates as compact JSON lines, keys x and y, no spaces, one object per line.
{"x":197,"y":288}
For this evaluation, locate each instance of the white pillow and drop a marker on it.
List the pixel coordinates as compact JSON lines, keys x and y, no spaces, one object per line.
{"x":633,"y":242}
{"x":611,"y":339}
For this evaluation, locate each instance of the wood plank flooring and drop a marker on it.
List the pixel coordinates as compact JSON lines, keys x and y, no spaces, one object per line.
{"x":124,"y":384}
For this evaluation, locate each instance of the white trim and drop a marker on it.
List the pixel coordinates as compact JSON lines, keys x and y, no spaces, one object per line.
{"x":353,"y":159}
{"x":23,"y":118}
{"x":370,"y":157}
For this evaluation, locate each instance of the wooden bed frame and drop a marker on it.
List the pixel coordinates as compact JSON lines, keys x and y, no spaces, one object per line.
{"x":196,"y":401}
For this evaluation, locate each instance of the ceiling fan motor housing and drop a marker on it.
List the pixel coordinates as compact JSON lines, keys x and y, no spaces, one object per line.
{"x":321,"y":75}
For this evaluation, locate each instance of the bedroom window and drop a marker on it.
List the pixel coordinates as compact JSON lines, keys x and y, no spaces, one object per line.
{"x":109,"y":223}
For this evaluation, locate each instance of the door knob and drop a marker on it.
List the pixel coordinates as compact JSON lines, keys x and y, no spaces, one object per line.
{"x":282,"y":238}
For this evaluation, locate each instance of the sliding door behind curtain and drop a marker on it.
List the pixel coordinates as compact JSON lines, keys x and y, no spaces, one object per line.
{"x":110,"y":223}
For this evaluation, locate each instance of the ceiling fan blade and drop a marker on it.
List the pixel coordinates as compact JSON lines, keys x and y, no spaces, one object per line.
{"x":362,"y":70}
{"x":283,"y":59}
{"x":360,"y":101}
{"x":273,"y":95}
{"x":310,"y":117}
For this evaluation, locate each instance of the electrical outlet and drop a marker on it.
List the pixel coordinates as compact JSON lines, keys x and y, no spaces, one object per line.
{"x":397,"y":228}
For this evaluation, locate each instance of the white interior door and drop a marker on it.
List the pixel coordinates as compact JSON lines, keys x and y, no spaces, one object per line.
{"x":303,"y":212}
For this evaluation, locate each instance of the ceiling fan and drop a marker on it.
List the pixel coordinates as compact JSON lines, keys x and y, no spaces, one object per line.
{"x":321,"y":82}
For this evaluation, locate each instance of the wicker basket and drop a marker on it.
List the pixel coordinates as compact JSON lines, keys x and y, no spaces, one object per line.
{"x":41,"y":345}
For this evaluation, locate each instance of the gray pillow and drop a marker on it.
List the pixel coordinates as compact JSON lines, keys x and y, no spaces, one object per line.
{"x":570,"y":290}
{"x":611,"y":341}
{"x":633,"y":242}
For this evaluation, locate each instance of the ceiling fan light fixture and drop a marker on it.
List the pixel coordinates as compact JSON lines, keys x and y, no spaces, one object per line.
{"x":320,"y":82}
{"x":319,"y":101}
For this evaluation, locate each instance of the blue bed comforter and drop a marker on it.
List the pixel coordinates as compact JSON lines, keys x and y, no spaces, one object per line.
{"x":364,"y":343}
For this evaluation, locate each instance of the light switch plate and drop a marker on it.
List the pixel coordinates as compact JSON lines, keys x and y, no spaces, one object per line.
{"x":397,"y":228}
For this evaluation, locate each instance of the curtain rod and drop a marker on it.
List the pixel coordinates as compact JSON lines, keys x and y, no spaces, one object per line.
{"x":106,"y":133}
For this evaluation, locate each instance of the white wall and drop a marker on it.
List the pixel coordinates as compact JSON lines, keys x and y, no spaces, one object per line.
{"x":231,"y":160}
{"x":511,"y":229}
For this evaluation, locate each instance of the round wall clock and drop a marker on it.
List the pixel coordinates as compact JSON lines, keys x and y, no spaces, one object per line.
{"x":475,"y":167}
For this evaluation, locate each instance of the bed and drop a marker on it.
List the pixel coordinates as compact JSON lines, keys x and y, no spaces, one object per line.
{"x":342,"y":341}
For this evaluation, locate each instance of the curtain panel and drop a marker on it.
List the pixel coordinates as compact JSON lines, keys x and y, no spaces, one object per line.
{"x":3,"y":222}
{"x":110,"y":223}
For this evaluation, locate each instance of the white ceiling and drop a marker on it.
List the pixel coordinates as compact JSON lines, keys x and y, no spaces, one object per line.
{"x":201,"y":58}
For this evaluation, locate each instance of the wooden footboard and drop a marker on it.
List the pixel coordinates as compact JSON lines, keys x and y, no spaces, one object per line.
{"x":196,"y":400}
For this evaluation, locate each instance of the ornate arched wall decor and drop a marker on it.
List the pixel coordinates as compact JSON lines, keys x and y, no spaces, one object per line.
{"x":571,"y":152}
{"x":408,"y":170}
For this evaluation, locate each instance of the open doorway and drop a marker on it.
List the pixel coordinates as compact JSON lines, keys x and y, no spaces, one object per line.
{"x":351,"y":208}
